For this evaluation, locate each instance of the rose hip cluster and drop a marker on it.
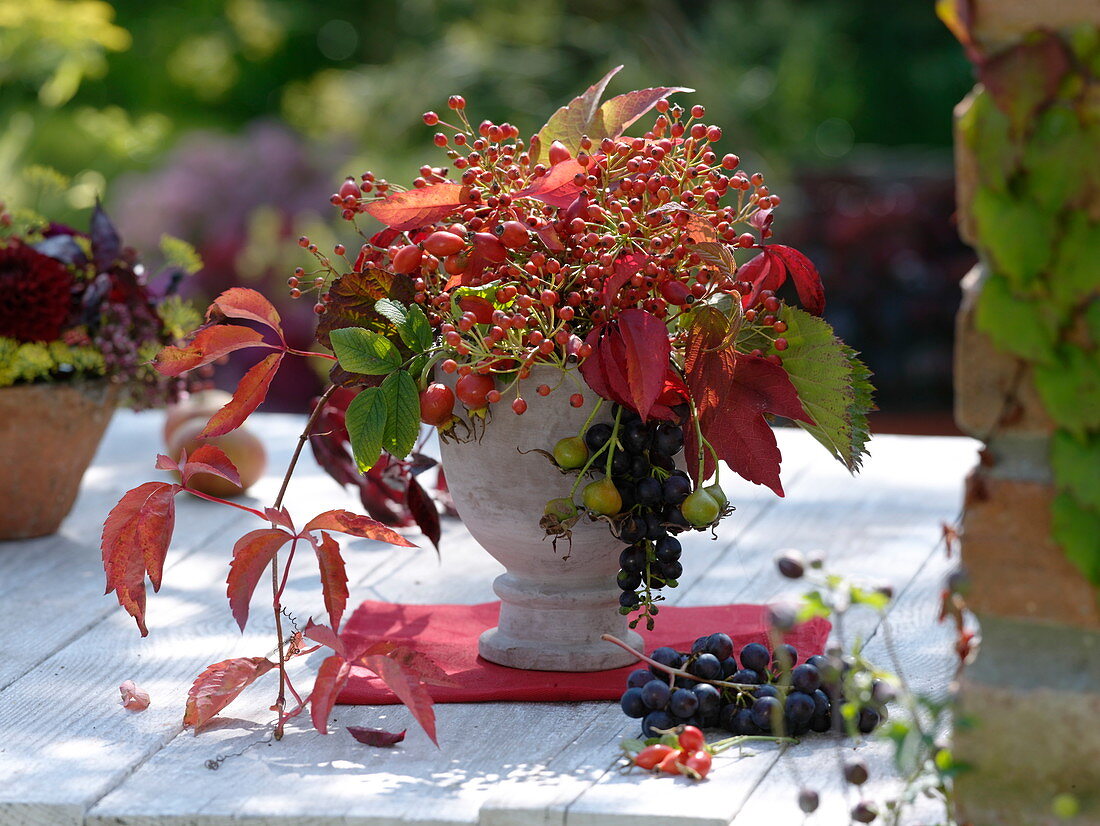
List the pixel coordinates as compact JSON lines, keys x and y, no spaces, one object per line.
{"x":532,"y":246}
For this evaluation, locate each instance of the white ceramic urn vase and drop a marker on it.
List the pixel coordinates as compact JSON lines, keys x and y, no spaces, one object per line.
{"x":555,"y":603}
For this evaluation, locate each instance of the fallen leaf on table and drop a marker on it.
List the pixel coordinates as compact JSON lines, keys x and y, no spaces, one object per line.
{"x":376,"y":736}
{"x":133,"y":697}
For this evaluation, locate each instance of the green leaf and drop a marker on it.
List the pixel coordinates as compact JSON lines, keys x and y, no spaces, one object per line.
{"x":813,"y":605}
{"x":985,"y":130}
{"x":1070,"y":389}
{"x":1075,"y":276}
{"x":1092,"y":323}
{"x":366,"y":422}
{"x":411,"y":324}
{"x":1059,"y":159}
{"x":1020,"y":326}
{"x":831,"y":383}
{"x":1016,"y":235}
{"x":1076,"y":466}
{"x":361,"y":351}
{"x":391,"y":310}
{"x":403,"y":414}
{"x":1077,"y":530}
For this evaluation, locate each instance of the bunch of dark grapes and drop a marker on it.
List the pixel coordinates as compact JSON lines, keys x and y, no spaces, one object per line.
{"x":758,"y":692}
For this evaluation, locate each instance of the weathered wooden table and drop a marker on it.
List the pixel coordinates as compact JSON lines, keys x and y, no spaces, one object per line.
{"x":70,"y":754}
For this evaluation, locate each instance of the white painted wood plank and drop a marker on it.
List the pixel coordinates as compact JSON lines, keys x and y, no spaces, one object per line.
{"x":464,"y":575}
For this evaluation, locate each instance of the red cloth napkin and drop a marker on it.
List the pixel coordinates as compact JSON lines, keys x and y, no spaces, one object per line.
{"x":448,"y":634}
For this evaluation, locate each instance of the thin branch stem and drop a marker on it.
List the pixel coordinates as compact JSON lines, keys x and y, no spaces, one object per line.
{"x":276,"y":591}
{"x":221,"y":501}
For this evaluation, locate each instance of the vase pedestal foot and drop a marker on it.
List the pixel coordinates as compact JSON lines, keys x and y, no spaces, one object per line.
{"x":558,"y":628}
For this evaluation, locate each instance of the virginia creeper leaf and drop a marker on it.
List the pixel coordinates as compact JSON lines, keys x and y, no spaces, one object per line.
{"x":645,"y":338}
{"x":831,"y":383}
{"x":1077,"y":529}
{"x":419,"y":207}
{"x":1070,"y":389}
{"x":423,"y":510}
{"x":363,"y":351}
{"x":355,"y":525}
{"x":280,"y":517}
{"x":366,"y":423}
{"x":1023,"y":78}
{"x":252,"y":554}
{"x":376,"y":736}
{"x":625,"y":267}
{"x":418,"y":663}
{"x":332,"y":676}
{"x":1016,"y":325}
{"x":239,"y":302}
{"x":135,"y":540}
{"x":250,"y":393}
{"x":167,"y":462}
{"x":324,"y":635}
{"x":557,"y":187}
{"x":1017,"y":235}
{"x":219,"y":685}
{"x":408,"y":688}
{"x":402,"y":414}
{"x":334,"y":578}
{"x":209,"y":344}
{"x":807,"y":281}
{"x":1075,"y":463}
{"x":210,"y":459}
{"x":133,"y":698}
{"x":617,"y":115}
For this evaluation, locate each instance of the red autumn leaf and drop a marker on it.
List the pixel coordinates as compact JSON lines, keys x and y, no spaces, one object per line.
{"x":332,"y":676}
{"x":133,"y":697}
{"x":334,"y":578}
{"x":699,"y":229}
{"x":603,"y":370}
{"x":135,"y":540}
{"x":732,"y":392}
{"x":219,"y":685}
{"x":239,"y":302}
{"x":574,"y":120}
{"x":167,"y":462}
{"x":419,"y":664}
{"x":645,"y":339}
{"x":550,"y":237}
{"x":408,"y":688}
{"x":619,"y":113}
{"x":481,"y":308}
{"x":209,"y":344}
{"x":624,"y":269}
{"x":250,"y":393}
{"x":324,"y":635}
{"x":251,"y":556}
{"x":557,"y":187}
{"x":424,"y":512}
{"x":376,"y":736}
{"x":355,"y":525}
{"x":210,"y":459}
{"x":280,"y":517}
{"x":419,"y":207}
{"x":807,"y":280}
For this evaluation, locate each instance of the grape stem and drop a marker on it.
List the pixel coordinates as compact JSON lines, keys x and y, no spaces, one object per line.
{"x":678,"y":672}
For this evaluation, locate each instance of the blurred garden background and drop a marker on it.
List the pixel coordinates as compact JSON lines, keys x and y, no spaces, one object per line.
{"x":228,"y":123}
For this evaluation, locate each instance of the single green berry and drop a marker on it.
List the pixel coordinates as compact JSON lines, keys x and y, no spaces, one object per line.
{"x":718,"y":495}
{"x":571,"y":452}
{"x":603,"y":497}
{"x":700,"y":509}
{"x":563,"y":509}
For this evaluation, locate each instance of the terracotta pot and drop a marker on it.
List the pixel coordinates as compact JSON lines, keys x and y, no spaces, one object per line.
{"x":555,"y":603}
{"x":48,"y":436}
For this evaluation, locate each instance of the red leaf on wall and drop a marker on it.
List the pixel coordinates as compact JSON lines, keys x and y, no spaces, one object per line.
{"x":135,"y":540}
{"x":239,"y":302}
{"x":732,"y":392}
{"x":647,"y":349}
{"x":250,"y":393}
{"x":210,"y":459}
{"x":332,"y":676}
{"x":408,"y":688}
{"x":376,"y":736}
{"x":219,"y":685}
{"x":355,"y":525}
{"x":334,"y":578}
{"x":557,"y":187}
{"x":210,"y":343}
{"x":424,"y":512}
{"x":418,"y":207}
{"x":251,"y":556}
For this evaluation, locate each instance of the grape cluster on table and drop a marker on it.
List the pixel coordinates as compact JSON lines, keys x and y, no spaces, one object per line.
{"x":777,"y":695}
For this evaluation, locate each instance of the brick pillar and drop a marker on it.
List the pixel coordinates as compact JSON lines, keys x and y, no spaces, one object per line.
{"x":1029,"y":706}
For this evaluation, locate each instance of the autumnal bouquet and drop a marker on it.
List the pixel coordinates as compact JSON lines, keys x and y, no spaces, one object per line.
{"x":609,"y":263}
{"x":78,"y":305}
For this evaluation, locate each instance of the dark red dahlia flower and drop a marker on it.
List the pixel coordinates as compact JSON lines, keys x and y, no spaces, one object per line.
{"x":35,"y":294}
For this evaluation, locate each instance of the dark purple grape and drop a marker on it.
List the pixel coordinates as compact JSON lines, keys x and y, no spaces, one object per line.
{"x":868,"y":720}
{"x":631,"y":529}
{"x":808,"y":801}
{"x":666,"y":656}
{"x":639,"y":677}
{"x":655,"y":694}
{"x":632,"y":703}
{"x":765,"y":711}
{"x":720,"y":645}
{"x":668,"y":549}
{"x":806,"y":678}
{"x":633,"y":558}
{"x":791,"y":564}
{"x":673,"y":519}
{"x":629,"y":580}
{"x":743,"y":723}
{"x":785,"y":657}
{"x":706,"y":666}
{"x":746,"y":676}
{"x":765,"y":691}
{"x":864,"y":812}
{"x":628,"y":599}
{"x":754,"y":656}
{"x":648,"y":492}
{"x":676,"y":489}
{"x":656,"y":720}
{"x":727,"y":715}
{"x":635,"y":437}
{"x":639,"y":467}
{"x":822,"y":717}
{"x":597,"y":436}
{"x":669,"y":570}
{"x":699,"y":645}
{"x":729,"y":666}
{"x":620,"y":463}
{"x":799,"y":708}
{"x":855,"y":772}
{"x":625,"y":489}
{"x":710,"y":703}
{"x":668,"y":440}
{"x":653,"y":528}
{"x":683,"y":703}
{"x":882,"y":692}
